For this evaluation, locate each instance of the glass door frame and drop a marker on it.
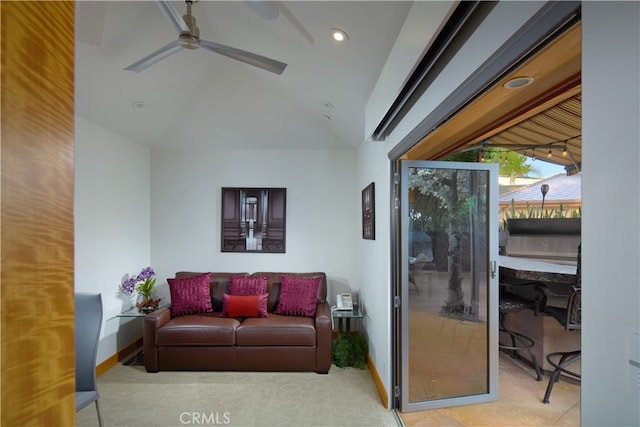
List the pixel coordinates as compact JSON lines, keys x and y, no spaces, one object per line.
{"x":400,"y":271}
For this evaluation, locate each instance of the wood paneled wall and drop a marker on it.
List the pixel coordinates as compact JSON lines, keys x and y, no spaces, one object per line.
{"x":37,"y":146}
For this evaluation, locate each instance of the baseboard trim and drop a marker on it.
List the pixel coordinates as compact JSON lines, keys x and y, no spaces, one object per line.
{"x":378,"y":382}
{"x":121,"y":355}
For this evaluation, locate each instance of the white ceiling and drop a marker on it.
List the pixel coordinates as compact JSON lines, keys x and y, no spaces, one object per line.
{"x":197,"y":98}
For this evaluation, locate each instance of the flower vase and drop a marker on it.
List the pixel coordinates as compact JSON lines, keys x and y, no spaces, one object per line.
{"x":146,"y":304}
{"x":133,"y":299}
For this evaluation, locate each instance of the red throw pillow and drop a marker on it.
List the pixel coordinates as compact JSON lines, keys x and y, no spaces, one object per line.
{"x":190,"y":295}
{"x":242,"y":285}
{"x":244,"y":305}
{"x":298,"y":296}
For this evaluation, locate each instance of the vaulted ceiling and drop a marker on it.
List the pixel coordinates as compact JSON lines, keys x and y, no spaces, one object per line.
{"x":196,"y":98}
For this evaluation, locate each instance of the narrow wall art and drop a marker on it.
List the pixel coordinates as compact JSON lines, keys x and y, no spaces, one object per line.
{"x":368,"y":212}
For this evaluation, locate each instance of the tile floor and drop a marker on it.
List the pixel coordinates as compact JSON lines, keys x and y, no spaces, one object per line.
{"x":519,"y":404}
{"x":446,"y":354}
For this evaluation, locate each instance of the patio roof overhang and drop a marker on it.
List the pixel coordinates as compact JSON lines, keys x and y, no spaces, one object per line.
{"x":541,"y":119}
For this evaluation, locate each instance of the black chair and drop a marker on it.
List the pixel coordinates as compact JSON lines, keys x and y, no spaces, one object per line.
{"x":570,"y":318}
{"x":511,"y":303}
{"x":88,"y":321}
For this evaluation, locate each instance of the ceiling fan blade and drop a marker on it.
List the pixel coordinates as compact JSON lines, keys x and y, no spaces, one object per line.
{"x":293,"y":20}
{"x":272,"y":9}
{"x":246,"y":57}
{"x":264,"y":9}
{"x":156,"y":56}
{"x":173,"y":16}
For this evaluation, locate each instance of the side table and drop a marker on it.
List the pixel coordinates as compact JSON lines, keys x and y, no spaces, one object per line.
{"x":347,"y":315}
{"x":138,"y":357}
{"x":134,"y":312}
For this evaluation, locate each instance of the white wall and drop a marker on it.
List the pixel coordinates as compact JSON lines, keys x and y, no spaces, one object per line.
{"x":112,"y":228}
{"x":610,"y":241}
{"x":322,"y":217}
{"x":374,"y":269}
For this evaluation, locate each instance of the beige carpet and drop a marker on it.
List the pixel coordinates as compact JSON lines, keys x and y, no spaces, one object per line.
{"x":129,"y":396}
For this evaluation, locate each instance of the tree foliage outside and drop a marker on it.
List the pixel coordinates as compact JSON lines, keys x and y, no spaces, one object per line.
{"x":510,"y":163}
{"x":441,"y":201}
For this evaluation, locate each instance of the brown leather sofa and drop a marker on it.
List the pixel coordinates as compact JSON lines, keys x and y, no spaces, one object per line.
{"x":206,"y":342}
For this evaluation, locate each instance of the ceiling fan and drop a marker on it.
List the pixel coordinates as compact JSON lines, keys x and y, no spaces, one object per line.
{"x":189,"y":38}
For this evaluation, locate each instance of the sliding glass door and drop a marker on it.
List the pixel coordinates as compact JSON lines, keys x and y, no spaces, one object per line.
{"x":447,"y":287}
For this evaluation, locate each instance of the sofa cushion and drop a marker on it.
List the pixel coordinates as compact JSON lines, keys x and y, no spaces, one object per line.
{"x":219,"y":284}
{"x":298,"y":296}
{"x":244,"y":305}
{"x":198,"y":329}
{"x":274,"y":280}
{"x":190,"y":295}
{"x":243,"y":285}
{"x":277,"y":330}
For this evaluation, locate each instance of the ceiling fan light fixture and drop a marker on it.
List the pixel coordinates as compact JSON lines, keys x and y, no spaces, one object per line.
{"x":518,"y":82}
{"x":188,"y":41}
{"x":339,"y":35}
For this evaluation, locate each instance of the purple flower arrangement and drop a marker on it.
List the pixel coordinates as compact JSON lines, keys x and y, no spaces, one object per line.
{"x":143,"y":283}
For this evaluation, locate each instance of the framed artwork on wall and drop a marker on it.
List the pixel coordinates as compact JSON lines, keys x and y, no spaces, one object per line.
{"x":253,"y":220}
{"x":369,"y":212}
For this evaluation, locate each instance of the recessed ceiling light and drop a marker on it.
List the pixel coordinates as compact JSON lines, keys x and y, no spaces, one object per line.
{"x":518,"y":82}
{"x":339,"y":35}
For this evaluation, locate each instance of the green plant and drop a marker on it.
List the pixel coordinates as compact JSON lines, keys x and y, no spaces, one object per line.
{"x":534,"y":211}
{"x":143,"y":283}
{"x":349,"y":349}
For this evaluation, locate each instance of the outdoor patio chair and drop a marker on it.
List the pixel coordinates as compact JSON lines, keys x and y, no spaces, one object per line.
{"x":570,"y":318}
{"x":510,"y":303}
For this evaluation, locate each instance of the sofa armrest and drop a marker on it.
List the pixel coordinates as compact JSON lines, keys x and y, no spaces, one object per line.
{"x":323,"y":337}
{"x":152,"y":322}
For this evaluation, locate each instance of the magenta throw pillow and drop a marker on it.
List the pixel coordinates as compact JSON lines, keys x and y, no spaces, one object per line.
{"x":190,"y":295}
{"x":242,"y":285}
{"x":244,"y":305}
{"x":298,"y":296}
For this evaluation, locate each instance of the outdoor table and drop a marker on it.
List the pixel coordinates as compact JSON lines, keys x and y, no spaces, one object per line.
{"x":533,"y":270}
